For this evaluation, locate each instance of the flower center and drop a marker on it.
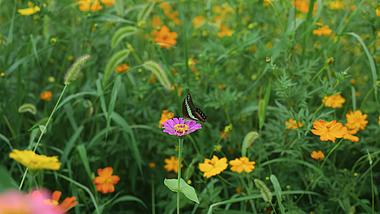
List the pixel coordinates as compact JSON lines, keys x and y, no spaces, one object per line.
{"x":181,"y":128}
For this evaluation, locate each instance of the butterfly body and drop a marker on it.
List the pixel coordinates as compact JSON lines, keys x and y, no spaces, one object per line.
{"x":189,"y":110}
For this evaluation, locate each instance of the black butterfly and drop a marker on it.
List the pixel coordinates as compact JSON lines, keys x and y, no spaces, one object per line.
{"x":190,"y":111}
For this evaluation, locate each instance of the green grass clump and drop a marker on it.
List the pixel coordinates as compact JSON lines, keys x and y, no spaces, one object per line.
{"x":251,"y":66}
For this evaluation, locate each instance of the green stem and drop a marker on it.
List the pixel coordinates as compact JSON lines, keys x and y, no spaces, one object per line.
{"x":180,"y":143}
{"x":43,"y":132}
{"x":331,"y":151}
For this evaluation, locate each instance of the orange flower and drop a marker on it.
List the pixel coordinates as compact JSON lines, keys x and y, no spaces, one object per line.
{"x":322,"y":31}
{"x":65,"y":205}
{"x":89,"y":5}
{"x":317,"y":155}
{"x":171,"y":164}
{"x":333,"y":101}
{"x":156,"y":22}
{"x":198,"y":21}
{"x":329,"y":130}
{"x":165,"y":38}
{"x":293,"y":124}
{"x":122,"y":68}
{"x":46,"y":96}
{"x":105,"y":181}
{"x":165,"y":6}
{"x":356,"y":121}
{"x":225,"y":31}
{"x":303,"y":6}
{"x":108,"y":3}
{"x":174,"y":17}
{"x":166,"y":115}
{"x":93,"y":5}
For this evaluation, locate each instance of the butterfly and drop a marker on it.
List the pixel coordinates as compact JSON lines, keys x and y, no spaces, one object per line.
{"x":190,"y":111}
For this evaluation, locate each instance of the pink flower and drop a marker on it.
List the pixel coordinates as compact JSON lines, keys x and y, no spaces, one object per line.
{"x":180,"y":127}
{"x":32,"y":203}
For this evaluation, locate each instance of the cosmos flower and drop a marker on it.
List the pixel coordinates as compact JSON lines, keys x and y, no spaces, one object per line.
{"x":180,"y":127}
{"x":165,"y":115}
{"x":242,"y":164}
{"x":317,"y":155}
{"x":225,"y":31}
{"x":46,"y":96}
{"x":324,"y":30}
{"x":171,"y":164}
{"x":65,"y":205}
{"x":329,"y":131}
{"x":34,"y":161}
{"x":212,"y":167}
{"x":198,"y":21}
{"x":122,"y":68}
{"x":165,"y":38}
{"x":356,"y":121}
{"x":293,"y":124}
{"x":105,"y":181}
{"x":333,"y":101}
{"x":14,"y":202}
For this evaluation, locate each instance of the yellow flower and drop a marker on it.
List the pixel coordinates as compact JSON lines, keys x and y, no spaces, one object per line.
{"x":333,"y":101}
{"x":242,"y":164}
{"x":198,"y":21}
{"x":317,"y":155}
{"x":322,"y":31}
{"x":225,"y":31}
{"x":34,"y":161}
{"x":213,"y":167}
{"x":356,"y":121}
{"x":267,"y":3}
{"x":329,"y":130}
{"x":165,"y":38}
{"x":32,"y":9}
{"x":226,"y":132}
{"x":336,"y":5}
{"x":165,"y":115}
{"x":378,"y":11}
{"x":122,"y":68}
{"x":293,"y":124}
{"x":171,"y":164}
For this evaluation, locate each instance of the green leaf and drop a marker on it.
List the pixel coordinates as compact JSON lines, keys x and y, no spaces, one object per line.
{"x":126,"y":198}
{"x":248,"y":141}
{"x":159,"y":72}
{"x":27,"y":107}
{"x":122,"y":33}
{"x":371,"y":62}
{"x":185,"y":188}
{"x":115,"y":60}
{"x":278,"y":192}
{"x":6,"y":180}
{"x":266,"y":194}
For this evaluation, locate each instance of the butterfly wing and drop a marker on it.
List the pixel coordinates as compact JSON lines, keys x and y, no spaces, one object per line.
{"x":188,"y":107}
{"x":200,"y":115}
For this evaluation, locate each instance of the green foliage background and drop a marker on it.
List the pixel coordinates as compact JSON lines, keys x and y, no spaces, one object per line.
{"x":271,"y":69}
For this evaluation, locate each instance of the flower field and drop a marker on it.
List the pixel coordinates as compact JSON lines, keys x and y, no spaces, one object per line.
{"x":189,"y":106}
